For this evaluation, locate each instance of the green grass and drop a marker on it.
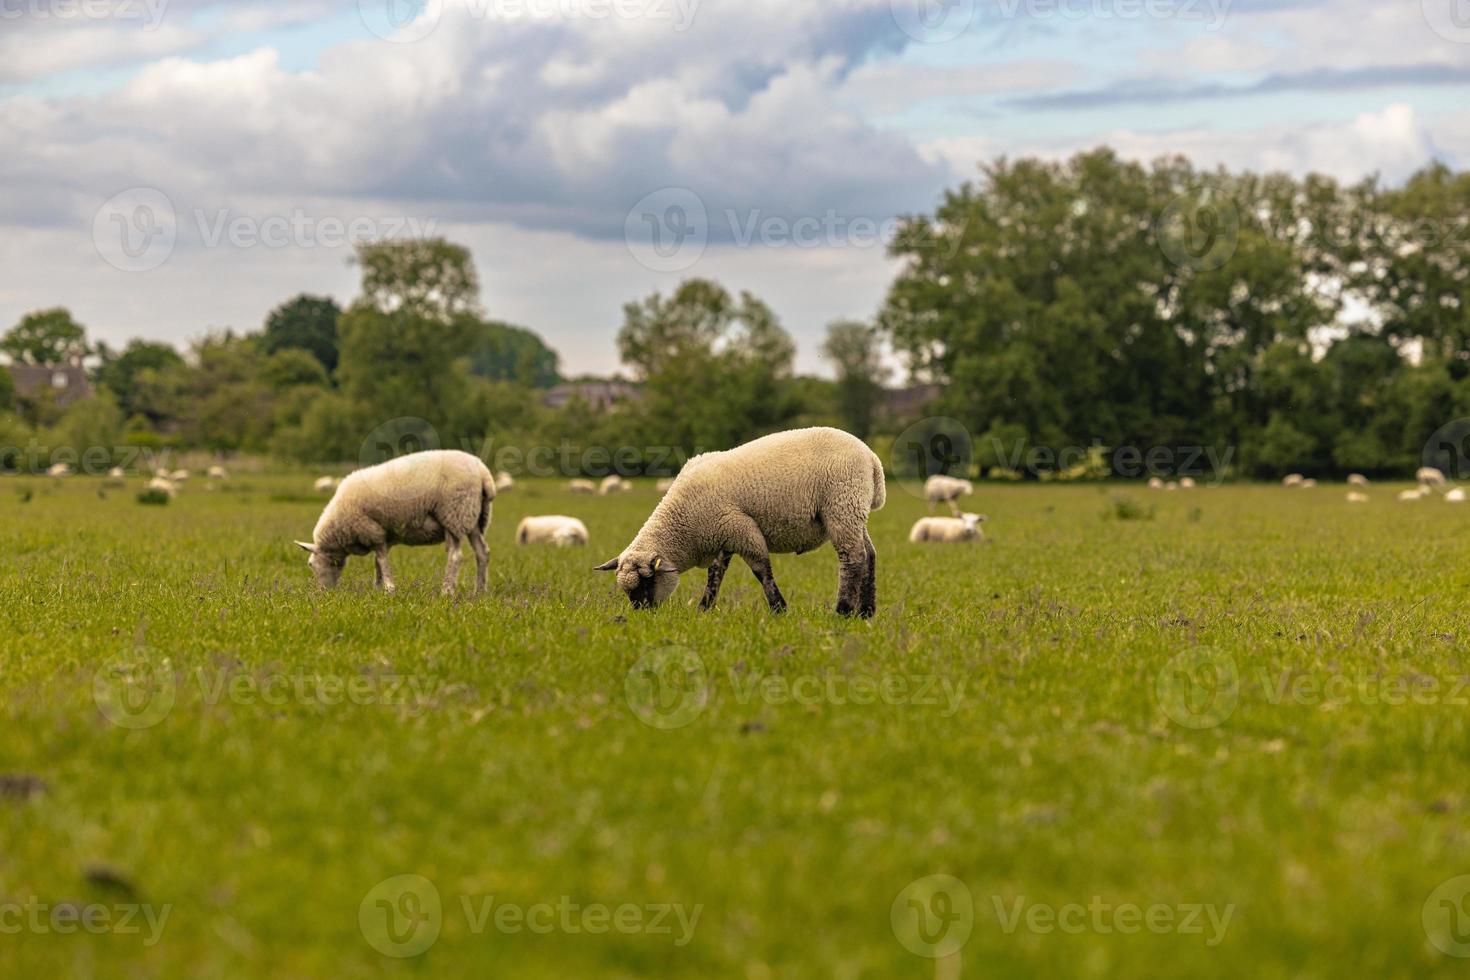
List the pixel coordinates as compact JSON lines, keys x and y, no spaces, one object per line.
{"x":495,"y":746}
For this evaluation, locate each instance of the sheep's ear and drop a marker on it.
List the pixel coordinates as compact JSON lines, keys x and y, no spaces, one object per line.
{"x":310,"y":548}
{"x":607,"y":566}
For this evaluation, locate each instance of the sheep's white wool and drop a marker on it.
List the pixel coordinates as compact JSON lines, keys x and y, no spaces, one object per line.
{"x":117,"y":473}
{"x":443,"y":495}
{"x":1357,"y":480}
{"x":1186,"y":483}
{"x":783,"y":493}
{"x":1354,"y":497}
{"x":165,"y":484}
{"x":1430,"y":477}
{"x":179,"y":476}
{"x":59,"y":469}
{"x":324,"y":483}
{"x":554,"y":529}
{"x":1156,"y":484}
{"x":1414,"y":494}
{"x":581,"y":486}
{"x":1292,"y":480}
{"x":217,"y":473}
{"x":663,"y":485}
{"x":1308,"y":484}
{"x":504,"y":482}
{"x":939,"y":489}
{"x":966,"y":527}
{"x":1455,"y":496}
{"x":614,"y":484}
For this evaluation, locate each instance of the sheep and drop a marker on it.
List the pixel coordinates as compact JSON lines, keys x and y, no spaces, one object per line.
{"x":441,"y":495}
{"x":663,"y":485}
{"x":614,"y":484}
{"x":1155,"y":484}
{"x":966,"y":527}
{"x":1171,"y":485}
{"x":1428,"y":476}
{"x":782,"y":493}
{"x":165,"y":484}
{"x":1308,"y":484}
{"x":117,"y":473}
{"x":324,"y":484}
{"x":581,"y":486}
{"x":940,"y":489}
{"x":552,"y":529}
{"x":58,"y":470}
{"x":1455,"y":496}
{"x":1415,"y":494}
{"x":217,"y":472}
{"x":179,"y":476}
{"x":1357,"y":480}
{"x":1354,"y":497}
{"x":1292,"y":480}
{"x":504,"y":482}
{"x":1186,"y":483}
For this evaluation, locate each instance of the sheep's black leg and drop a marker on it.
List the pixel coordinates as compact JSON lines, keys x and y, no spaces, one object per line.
{"x":761,"y":566}
{"x":852,"y":571}
{"x":869,"y":602}
{"x":712,"y":584}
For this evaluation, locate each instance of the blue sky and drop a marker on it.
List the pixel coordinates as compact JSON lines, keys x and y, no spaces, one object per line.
{"x":765,"y":141}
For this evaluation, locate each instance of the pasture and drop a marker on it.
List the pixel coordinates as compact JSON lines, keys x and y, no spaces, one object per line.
{"x":1226,"y":740}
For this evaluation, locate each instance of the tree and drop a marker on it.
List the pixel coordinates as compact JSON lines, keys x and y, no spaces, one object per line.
{"x":123,"y":374}
{"x":306,"y":323}
{"x":855,"y":350}
{"x":7,"y":391}
{"x":505,"y":352}
{"x":427,"y":277}
{"x":46,"y":337}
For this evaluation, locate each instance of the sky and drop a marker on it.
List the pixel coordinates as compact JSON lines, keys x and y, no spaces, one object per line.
{"x":171,"y":167}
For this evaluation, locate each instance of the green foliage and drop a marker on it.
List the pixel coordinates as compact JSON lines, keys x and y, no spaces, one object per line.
{"x":153,"y":497}
{"x":504,"y":352}
{"x":92,"y":428}
{"x":856,"y":352}
{"x":7,"y":390}
{"x":45,"y":337}
{"x":1122,"y":507}
{"x":306,"y":323}
{"x":420,"y":277}
{"x":132,"y":375}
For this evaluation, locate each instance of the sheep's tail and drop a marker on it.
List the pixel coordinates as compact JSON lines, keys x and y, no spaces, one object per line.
{"x":880,"y":487}
{"x":487,"y":494}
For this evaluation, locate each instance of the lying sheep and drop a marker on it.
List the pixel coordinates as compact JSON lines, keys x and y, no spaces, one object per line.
{"x":1186,"y":483}
{"x":504,"y":482}
{"x":1354,"y":497}
{"x":117,"y":473}
{"x":419,"y":499}
{"x":1357,"y":480}
{"x":164,"y":484}
{"x":966,"y":527}
{"x":1155,"y":484}
{"x":1308,"y":484}
{"x":581,"y":486}
{"x":614,"y":484}
{"x":1292,"y":480}
{"x":217,"y":473}
{"x":940,"y":489}
{"x":59,"y":470}
{"x":1455,"y":496}
{"x":552,"y":529}
{"x":179,"y":476}
{"x":324,"y":484}
{"x":783,"y":493}
{"x":1415,"y":494}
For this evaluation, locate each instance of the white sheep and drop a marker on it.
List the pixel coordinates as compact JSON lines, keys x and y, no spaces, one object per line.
{"x":1354,"y":497}
{"x":966,"y":527}
{"x":1428,"y":476}
{"x":783,"y":493}
{"x":1308,"y":484}
{"x":1455,"y":496}
{"x":1171,"y":485}
{"x":554,"y":529}
{"x":441,"y":495}
{"x":117,"y":473}
{"x":217,"y":472}
{"x":1415,"y":494}
{"x":1292,"y":480}
{"x":164,"y":484}
{"x":504,"y":482}
{"x":179,"y":476}
{"x":940,"y":489}
{"x":1186,"y":483}
{"x":1357,"y":480}
{"x":324,"y":484}
{"x":614,"y":484}
{"x":581,"y":486}
{"x":1155,"y":484}
{"x":59,"y":470}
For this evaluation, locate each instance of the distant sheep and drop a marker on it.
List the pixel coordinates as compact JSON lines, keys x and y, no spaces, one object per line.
{"x":1292,"y":480}
{"x":552,"y":529}
{"x":179,"y":476}
{"x":614,"y":484}
{"x":939,"y":489}
{"x":1357,"y":480}
{"x":1186,"y":483}
{"x":217,"y":472}
{"x":1455,"y":496}
{"x":966,"y":527}
{"x":1308,"y":484}
{"x":1354,"y":497}
{"x":164,"y":484}
{"x":784,"y":493}
{"x":581,"y":486}
{"x":1415,"y":494}
{"x":1428,"y":476}
{"x":442,"y":495}
{"x":1156,"y":484}
{"x":325,"y":484}
{"x":59,"y":470}
{"x":504,"y":482}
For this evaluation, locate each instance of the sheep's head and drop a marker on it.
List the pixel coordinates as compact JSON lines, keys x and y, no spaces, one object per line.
{"x":973,"y":522}
{"x":326,"y":566}
{"x":647,"y":578}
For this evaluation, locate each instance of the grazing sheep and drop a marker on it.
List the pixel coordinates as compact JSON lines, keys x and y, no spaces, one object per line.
{"x":504,"y":482}
{"x":1415,"y":494}
{"x":1357,"y":480}
{"x":1428,"y":476}
{"x":1354,"y":497}
{"x":940,"y":489}
{"x":179,"y":476}
{"x":1308,"y":484}
{"x":614,"y":484}
{"x":165,"y":484}
{"x":1186,"y":483}
{"x":783,"y":493}
{"x":1455,"y":496}
{"x":117,"y":473}
{"x":663,"y":485}
{"x":59,"y":470}
{"x":1171,"y":485}
{"x":552,"y":529}
{"x":966,"y":527}
{"x":1292,"y":480}
{"x":419,"y":499}
{"x":1156,"y":484}
{"x":217,"y":472}
{"x":581,"y":486}
{"x":324,"y":484}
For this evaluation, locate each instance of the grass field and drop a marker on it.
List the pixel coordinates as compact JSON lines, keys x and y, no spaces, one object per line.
{"x":1230,"y":740}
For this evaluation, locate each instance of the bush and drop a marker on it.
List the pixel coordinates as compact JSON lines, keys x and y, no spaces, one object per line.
{"x":153,"y":497}
{"x":1122,"y":507}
